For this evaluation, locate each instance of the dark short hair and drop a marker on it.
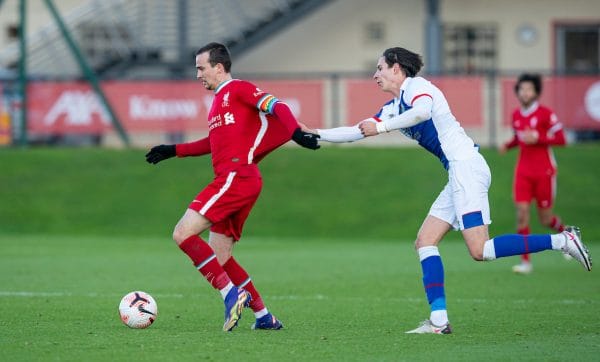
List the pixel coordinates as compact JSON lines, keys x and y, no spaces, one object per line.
{"x":217,"y":53}
{"x":535,"y":79}
{"x":410,"y":62}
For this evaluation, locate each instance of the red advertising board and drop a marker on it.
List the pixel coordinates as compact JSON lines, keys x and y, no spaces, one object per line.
{"x":464,"y":94}
{"x":169,"y":106}
{"x":575,"y":100}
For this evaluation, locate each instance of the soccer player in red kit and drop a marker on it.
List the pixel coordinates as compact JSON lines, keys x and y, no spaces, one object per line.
{"x":536,"y":130}
{"x":245,"y":124}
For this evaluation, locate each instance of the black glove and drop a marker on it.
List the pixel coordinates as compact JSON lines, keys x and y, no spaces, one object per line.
{"x":305,"y":139}
{"x":159,"y":153}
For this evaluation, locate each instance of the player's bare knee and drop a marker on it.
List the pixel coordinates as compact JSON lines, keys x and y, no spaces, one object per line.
{"x":179,"y":235}
{"x":475,"y":249}
{"x":421,"y":242}
{"x":222,"y":245}
{"x":222,"y":250}
{"x":476,"y":254}
{"x":222,"y":255}
{"x":522,"y":219}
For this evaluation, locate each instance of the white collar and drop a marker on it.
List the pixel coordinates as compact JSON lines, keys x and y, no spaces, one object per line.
{"x":405,"y":83}
{"x":222,"y":85}
{"x":529,"y":110}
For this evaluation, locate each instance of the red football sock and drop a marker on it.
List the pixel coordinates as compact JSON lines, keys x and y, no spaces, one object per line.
{"x":556,"y":224}
{"x":205,"y":260}
{"x":524,"y":231}
{"x":241,"y":279}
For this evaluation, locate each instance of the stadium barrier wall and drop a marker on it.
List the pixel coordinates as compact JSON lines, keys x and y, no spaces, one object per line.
{"x":482,"y":104}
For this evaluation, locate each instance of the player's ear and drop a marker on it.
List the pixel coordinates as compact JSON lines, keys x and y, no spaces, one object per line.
{"x":398,"y":69}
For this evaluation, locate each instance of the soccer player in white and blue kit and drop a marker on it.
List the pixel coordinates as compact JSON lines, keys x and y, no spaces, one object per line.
{"x":420,"y":111}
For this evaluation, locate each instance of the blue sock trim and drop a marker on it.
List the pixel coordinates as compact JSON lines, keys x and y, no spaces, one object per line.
{"x":438,"y":304}
{"x":515,"y":244}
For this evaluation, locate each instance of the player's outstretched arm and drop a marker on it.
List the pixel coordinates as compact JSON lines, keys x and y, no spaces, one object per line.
{"x":340,"y":134}
{"x":304,"y":139}
{"x":163,"y":152}
{"x":420,"y":111}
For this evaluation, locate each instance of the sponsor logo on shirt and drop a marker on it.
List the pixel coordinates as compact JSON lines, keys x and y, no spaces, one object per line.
{"x":229,"y":118}
{"x":214,"y":122}
{"x":218,"y":120}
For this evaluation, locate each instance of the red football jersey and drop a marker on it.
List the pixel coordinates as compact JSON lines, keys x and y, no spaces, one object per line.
{"x":538,"y":158}
{"x":242,"y":129}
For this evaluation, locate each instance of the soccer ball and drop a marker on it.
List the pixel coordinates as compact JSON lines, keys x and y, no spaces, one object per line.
{"x":138,"y":310}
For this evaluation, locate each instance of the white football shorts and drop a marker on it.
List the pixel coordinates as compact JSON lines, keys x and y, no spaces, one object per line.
{"x":463,"y":203}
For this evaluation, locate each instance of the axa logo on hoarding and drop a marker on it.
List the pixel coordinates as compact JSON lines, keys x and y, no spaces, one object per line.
{"x":77,"y":107}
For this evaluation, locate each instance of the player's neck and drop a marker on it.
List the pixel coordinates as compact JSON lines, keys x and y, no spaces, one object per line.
{"x":399,"y":86}
{"x":529,"y":108}
{"x":395,"y":90}
{"x":222,"y":81}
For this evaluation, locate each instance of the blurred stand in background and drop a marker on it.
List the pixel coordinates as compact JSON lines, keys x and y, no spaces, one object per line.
{"x":142,"y":53}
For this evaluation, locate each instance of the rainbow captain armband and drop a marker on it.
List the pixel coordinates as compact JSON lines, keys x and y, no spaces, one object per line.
{"x":266,"y":103}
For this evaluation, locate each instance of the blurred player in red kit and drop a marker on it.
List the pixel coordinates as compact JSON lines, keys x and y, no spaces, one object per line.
{"x":245,"y":124}
{"x":536,"y":130}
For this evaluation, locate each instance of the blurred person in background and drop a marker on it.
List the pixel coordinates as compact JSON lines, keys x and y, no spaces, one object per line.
{"x":536,"y":129}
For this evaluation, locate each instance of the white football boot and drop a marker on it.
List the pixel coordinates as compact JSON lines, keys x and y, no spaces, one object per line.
{"x":575,"y":248}
{"x":523,"y":268}
{"x":427,"y":327}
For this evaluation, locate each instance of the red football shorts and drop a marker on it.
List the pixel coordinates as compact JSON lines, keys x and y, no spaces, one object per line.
{"x":228,"y":200}
{"x":542,"y":188}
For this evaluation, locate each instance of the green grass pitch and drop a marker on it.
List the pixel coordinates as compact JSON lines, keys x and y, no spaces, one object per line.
{"x":329,"y":245}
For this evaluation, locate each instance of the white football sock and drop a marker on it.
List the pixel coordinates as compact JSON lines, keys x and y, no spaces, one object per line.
{"x":558,"y":241}
{"x":261,"y":313}
{"x":489,"y":251}
{"x":439,"y":318}
{"x":427,"y":251}
{"x":226,"y":290}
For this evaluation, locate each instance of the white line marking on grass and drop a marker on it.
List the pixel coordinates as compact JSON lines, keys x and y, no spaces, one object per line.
{"x":27,"y":294}
{"x":298,"y":297}
{"x":30,"y":294}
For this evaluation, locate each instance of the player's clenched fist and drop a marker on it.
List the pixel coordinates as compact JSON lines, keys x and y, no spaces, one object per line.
{"x":306,"y":140}
{"x":159,"y":153}
{"x":368,"y":128}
